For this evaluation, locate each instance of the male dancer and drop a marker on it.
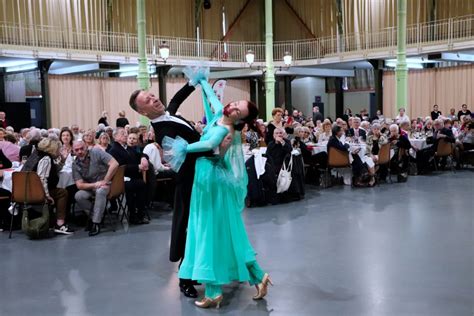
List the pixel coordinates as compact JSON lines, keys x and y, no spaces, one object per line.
{"x":165,"y":122}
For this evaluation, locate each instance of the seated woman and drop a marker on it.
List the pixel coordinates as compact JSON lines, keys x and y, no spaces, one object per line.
{"x":428,"y":128}
{"x":88,"y":138}
{"x":103,"y":142}
{"x":307,"y":136}
{"x":262,"y":132}
{"x":375,"y":140}
{"x":10,"y":148}
{"x":325,"y":134}
{"x":251,"y":137}
{"x":48,"y":171}
{"x":277,"y":122}
{"x":66,"y":137}
{"x":400,"y":145}
{"x":464,"y":143}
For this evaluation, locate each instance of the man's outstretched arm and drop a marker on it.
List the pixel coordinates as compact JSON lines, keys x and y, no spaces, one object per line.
{"x":179,"y":98}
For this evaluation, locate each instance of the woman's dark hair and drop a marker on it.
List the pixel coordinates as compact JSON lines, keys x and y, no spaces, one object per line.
{"x":10,"y":138}
{"x":67,"y":130}
{"x":336,"y":129}
{"x":250,"y":120}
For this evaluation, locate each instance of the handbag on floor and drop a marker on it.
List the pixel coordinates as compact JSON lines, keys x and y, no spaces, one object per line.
{"x":36,"y":228}
{"x":284,"y":177}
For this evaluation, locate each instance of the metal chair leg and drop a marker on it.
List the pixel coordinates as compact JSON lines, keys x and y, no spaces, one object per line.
{"x":11,"y":225}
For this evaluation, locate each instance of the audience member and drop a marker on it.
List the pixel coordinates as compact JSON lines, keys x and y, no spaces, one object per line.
{"x":463,"y":112}
{"x":48,"y":151}
{"x":401,"y":117}
{"x":103,"y":143}
{"x":356,"y":132}
{"x":435,"y":113}
{"x":103,"y":119}
{"x":122,"y":121}
{"x":9,"y":148}
{"x":92,"y":171}
{"x":3,"y":120}
{"x":33,"y":137}
{"x":317,"y":116}
{"x":135,"y":165}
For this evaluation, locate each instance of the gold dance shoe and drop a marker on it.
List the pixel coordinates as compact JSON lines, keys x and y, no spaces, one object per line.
{"x":262,"y":287}
{"x":207,"y":302}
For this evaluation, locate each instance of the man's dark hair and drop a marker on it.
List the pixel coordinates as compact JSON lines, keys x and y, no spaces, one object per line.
{"x":336,"y":129}
{"x":133,"y":99}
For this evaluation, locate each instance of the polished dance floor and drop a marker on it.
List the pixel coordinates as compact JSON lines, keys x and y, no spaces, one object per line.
{"x":400,"y":249}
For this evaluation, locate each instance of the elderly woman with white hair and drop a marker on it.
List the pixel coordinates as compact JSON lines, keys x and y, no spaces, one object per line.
{"x":400,"y":146}
{"x":43,"y":163}
{"x":375,"y":141}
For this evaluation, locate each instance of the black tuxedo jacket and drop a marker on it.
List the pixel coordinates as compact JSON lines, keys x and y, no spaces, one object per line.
{"x":173,"y":129}
{"x":128,"y":157}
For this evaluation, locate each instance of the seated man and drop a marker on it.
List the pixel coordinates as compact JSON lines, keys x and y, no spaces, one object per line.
{"x":135,"y":189}
{"x":92,"y":171}
{"x":358,"y":167}
{"x":356,"y":131}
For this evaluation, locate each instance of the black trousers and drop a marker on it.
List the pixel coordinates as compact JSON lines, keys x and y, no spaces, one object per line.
{"x":182,"y":201}
{"x":136,"y":194}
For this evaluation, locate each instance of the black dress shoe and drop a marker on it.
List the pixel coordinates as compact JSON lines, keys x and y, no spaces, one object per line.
{"x":95,"y":230}
{"x":88,"y":226}
{"x":188,"y":290}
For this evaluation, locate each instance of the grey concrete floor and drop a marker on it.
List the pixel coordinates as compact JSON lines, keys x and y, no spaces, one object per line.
{"x":400,"y":249}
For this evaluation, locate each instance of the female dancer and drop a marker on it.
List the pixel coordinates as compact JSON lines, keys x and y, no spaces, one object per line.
{"x":217,"y":247}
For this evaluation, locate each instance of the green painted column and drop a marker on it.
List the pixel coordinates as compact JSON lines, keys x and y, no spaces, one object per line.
{"x":270,"y":72}
{"x":143,"y":75}
{"x":401,"y":72}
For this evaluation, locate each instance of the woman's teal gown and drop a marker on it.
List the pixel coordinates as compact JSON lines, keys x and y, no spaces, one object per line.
{"x":218,"y":250}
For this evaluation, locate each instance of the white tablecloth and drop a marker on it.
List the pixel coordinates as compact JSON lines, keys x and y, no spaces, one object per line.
{"x":323,"y":147}
{"x":248,"y":153}
{"x":419,"y":143}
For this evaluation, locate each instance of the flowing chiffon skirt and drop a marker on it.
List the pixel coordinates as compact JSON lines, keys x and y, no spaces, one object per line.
{"x":217,"y":247}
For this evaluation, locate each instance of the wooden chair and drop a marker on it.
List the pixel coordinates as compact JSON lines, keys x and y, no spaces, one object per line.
{"x":117,"y":192}
{"x":26,"y":189}
{"x":336,"y":159}
{"x":444,"y":149}
{"x":384,"y":160}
